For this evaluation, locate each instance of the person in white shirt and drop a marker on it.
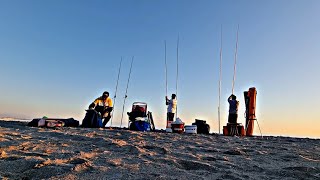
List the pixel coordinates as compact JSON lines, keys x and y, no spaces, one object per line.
{"x":172,"y":107}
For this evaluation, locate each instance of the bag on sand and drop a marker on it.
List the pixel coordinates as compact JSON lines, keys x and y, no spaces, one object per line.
{"x":92,"y":119}
{"x":140,"y":126}
{"x":202,"y":126}
{"x":39,"y":122}
{"x":53,"y":122}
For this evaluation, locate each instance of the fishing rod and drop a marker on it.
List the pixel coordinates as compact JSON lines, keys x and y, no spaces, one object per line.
{"x":177,"y":75}
{"x":165,"y":63}
{"x":235,"y":62}
{"x":166,"y":79}
{"x":125,"y":97}
{"x":115,"y":94}
{"x":220,"y":77}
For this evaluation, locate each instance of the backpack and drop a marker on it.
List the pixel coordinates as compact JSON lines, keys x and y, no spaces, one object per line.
{"x":92,"y":119}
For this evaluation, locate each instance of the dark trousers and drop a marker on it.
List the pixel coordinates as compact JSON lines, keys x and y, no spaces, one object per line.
{"x":232,"y":118}
{"x":106,"y":119}
{"x":105,"y":114}
{"x":170,"y":116}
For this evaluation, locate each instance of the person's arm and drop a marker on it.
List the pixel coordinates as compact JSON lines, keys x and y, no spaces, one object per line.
{"x":109,"y":109}
{"x":92,"y":106}
{"x":167,"y":100}
{"x":95,"y":102}
{"x":110,"y":102}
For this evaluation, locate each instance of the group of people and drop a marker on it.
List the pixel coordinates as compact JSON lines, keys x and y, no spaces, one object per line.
{"x":104,"y":106}
{"x":233,"y":108}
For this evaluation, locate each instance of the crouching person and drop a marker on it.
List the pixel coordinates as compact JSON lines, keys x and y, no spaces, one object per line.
{"x":104,"y":106}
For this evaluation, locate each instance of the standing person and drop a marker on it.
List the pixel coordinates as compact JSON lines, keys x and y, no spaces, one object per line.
{"x":172,"y":107}
{"x":233,"y":109}
{"x":104,"y":106}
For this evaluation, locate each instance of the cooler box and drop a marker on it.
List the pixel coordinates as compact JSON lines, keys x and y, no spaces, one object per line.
{"x":142,"y":125}
{"x":177,"y":128}
{"x":190,"y":129}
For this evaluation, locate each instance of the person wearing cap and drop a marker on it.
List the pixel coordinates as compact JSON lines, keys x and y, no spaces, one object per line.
{"x":172,"y":107}
{"x":233,"y":109}
{"x":104,"y":106}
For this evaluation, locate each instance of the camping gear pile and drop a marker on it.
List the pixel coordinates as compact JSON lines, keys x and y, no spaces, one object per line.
{"x":199,"y":127}
{"x":139,"y":118}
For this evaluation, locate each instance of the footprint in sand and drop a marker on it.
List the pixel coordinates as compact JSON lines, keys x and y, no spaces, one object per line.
{"x":159,"y":150}
{"x":131,"y":149}
{"x":77,"y":161}
{"x":193,"y":165}
{"x":234,"y":152}
{"x":209,"y":158}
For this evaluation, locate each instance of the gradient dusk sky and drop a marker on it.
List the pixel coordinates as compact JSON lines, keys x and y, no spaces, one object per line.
{"x":57,"y":56}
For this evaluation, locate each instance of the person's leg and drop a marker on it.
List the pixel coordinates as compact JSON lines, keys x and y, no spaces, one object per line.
{"x":230,"y":118}
{"x":233,"y":118}
{"x":168,"y":120}
{"x":171,"y":116}
{"x":106,"y":118}
{"x":236,"y":118}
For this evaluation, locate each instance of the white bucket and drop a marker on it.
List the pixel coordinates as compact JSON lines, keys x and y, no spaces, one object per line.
{"x":190,"y":129}
{"x":169,"y":130}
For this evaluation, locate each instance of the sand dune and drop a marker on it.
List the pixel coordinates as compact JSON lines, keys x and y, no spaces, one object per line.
{"x":80,"y":153}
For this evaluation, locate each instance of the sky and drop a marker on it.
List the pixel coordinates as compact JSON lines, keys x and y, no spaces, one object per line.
{"x":58,"y":56}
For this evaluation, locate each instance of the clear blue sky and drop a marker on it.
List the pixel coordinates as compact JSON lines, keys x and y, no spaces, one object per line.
{"x":57,"y":56}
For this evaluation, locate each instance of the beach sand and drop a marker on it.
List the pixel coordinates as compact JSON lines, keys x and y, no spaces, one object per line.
{"x":82,"y":153}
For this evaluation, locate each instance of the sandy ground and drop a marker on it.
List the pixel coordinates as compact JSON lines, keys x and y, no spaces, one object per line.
{"x":81,"y":153}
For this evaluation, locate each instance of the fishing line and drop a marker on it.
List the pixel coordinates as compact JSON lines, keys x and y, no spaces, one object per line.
{"x":220,"y":79}
{"x":115,"y":94}
{"x":165,"y":63}
{"x":125,"y":97}
{"x":177,"y":76}
{"x":235,"y":62}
